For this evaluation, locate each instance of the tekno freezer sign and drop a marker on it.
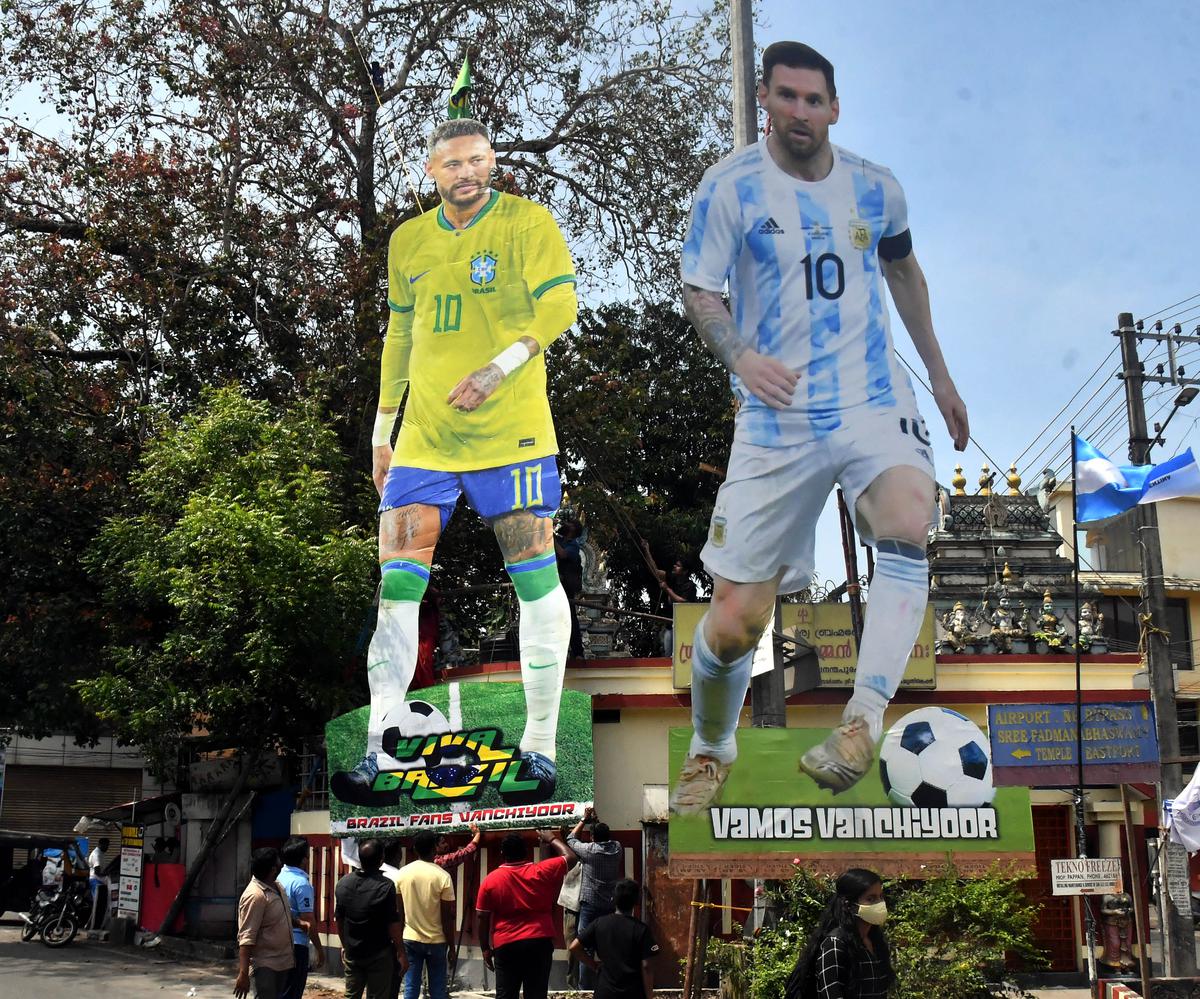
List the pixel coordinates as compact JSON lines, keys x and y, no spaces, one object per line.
{"x":1036,"y":744}
{"x":1086,"y":876}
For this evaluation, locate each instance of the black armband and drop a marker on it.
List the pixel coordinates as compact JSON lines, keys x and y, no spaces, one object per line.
{"x":896,"y":247}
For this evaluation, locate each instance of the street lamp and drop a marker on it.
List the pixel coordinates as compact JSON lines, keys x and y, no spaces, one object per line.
{"x":1181,"y":400}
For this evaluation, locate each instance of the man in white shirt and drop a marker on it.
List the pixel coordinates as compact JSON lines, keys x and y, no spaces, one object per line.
{"x":99,"y":884}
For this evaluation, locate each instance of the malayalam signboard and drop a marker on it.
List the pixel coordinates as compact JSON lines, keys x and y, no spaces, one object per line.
{"x":824,"y":628}
{"x":928,"y":798}
{"x":455,"y":760}
{"x":1036,"y":744}
{"x":129,"y":883}
{"x":1086,"y":876}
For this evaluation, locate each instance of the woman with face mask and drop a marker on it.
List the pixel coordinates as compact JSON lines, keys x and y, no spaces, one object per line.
{"x":847,"y":955}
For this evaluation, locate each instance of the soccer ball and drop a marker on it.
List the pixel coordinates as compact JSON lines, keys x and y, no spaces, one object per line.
{"x":936,"y":758}
{"x":409,"y":720}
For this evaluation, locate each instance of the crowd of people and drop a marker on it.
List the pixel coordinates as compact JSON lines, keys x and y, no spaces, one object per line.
{"x":396,"y":924}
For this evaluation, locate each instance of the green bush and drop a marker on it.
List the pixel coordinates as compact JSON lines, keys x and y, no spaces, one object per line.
{"x":950,"y":936}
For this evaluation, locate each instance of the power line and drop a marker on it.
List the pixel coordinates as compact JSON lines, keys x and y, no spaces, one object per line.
{"x":1074,"y":420}
{"x":1071,"y":400}
{"x":912,"y":371}
{"x":1091,"y":428}
{"x":1081,"y":423}
{"x":1161,"y":311}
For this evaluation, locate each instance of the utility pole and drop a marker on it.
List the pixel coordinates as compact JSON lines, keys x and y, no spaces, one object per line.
{"x":768,"y":702}
{"x":767,"y":698}
{"x":1180,"y":946}
{"x":741,"y":47}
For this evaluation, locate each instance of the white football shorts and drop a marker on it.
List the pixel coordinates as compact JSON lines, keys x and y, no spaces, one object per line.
{"x":765,"y":516}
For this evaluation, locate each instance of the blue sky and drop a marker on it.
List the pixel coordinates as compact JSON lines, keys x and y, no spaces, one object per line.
{"x":1050,"y":155}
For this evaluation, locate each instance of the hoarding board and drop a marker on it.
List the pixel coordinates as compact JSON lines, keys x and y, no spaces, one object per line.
{"x":458,"y":759}
{"x":825,"y":628}
{"x":930,"y":801}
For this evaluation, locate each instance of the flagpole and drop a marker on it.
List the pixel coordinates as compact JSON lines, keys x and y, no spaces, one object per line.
{"x":1080,"y":824}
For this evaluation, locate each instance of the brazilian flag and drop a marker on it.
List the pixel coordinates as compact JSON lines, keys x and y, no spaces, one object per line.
{"x":460,"y":93}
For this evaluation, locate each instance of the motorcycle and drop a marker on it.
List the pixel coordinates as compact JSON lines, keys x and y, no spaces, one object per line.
{"x":59,"y":917}
{"x":37,"y":907}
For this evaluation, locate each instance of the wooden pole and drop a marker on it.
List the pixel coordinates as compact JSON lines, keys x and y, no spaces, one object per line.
{"x":693,"y":917}
{"x":1135,"y":876}
{"x":701,"y":946}
{"x":851,"y":556}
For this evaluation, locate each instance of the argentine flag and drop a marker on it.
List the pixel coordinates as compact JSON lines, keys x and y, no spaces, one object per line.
{"x":1103,"y":489}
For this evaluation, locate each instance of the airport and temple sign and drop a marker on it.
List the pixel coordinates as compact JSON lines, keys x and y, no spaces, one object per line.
{"x":928,"y":799}
{"x":459,"y":764}
{"x":826,"y":629}
{"x":1036,"y":744}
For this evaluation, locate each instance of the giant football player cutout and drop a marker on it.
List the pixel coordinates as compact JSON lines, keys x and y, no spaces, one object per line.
{"x":806,"y":235}
{"x":476,"y":291}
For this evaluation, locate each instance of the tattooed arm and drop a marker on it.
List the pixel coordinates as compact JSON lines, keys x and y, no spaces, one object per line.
{"x":767,"y":378}
{"x":472,"y":391}
{"x":554,"y":312}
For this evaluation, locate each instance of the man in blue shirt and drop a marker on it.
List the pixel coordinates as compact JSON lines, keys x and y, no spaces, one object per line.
{"x":298,"y":890}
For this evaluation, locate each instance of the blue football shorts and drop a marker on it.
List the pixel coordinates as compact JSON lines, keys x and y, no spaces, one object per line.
{"x":491,"y":492}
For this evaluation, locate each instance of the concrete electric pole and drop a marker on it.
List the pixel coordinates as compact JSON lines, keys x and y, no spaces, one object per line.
{"x":1181,"y":948}
{"x":767,"y":698}
{"x":745,"y":89}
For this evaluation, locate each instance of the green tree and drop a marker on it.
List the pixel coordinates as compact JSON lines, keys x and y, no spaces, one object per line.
{"x":644,"y":417}
{"x":216,"y":202}
{"x":62,"y":470}
{"x":208,"y":197}
{"x":233,"y":586}
{"x":951,"y":937}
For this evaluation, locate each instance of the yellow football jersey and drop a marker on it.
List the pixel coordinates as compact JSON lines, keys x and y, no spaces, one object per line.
{"x":472,"y":292}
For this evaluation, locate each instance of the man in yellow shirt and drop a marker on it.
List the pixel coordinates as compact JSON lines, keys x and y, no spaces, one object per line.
{"x":425,"y":895}
{"x":476,"y":290}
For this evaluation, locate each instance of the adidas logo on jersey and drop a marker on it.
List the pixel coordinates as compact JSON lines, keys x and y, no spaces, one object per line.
{"x":770,"y":228}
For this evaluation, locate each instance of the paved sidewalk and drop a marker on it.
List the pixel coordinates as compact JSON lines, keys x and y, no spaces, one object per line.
{"x":96,"y":970}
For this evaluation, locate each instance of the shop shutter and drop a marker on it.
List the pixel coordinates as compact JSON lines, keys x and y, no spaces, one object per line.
{"x":51,"y":799}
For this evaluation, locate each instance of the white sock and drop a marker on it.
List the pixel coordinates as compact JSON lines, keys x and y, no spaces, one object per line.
{"x":895,"y":610}
{"x":544,"y":634}
{"x":718,"y":693}
{"x":391,"y":663}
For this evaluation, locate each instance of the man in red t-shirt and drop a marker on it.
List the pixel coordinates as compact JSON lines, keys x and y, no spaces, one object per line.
{"x":516,"y":915}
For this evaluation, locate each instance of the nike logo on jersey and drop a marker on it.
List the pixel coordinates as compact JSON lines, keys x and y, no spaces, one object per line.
{"x":770,"y":228}
{"x":417,"y":277}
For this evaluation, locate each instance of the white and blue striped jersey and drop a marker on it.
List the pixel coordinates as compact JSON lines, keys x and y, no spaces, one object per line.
{"x":805,"y":286}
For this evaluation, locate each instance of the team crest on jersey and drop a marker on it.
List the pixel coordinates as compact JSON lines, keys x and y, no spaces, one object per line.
{"x":483,"y":270}
{"x":860,"y":234}
{"x":718,"y":532}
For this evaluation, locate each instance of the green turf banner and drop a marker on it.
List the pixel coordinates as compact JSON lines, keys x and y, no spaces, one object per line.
{"x":929,"y":799}
{"x":459,"y":763}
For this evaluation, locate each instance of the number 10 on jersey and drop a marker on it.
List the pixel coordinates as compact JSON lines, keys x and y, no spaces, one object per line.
{"x":532,"y":479}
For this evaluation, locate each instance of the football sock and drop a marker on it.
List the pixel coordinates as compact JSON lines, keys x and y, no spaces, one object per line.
{"x":895,"y":611}
{"x":718,"y":693}
{"x":544,"y":634}
{"x":392,"y":655}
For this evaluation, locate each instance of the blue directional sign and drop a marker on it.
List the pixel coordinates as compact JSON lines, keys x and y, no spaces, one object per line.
{"x":1037,"y":743}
